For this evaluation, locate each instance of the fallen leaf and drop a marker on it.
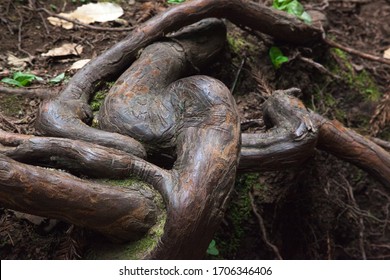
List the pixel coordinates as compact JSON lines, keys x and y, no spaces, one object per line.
{"x":36,"y":220}
{"x":89,"y":13}
{"x":57,"y":79}
{"x":79,"y":64}
{"x":16,"y":62}
{"x":61,"y":22}
{"x":387,"y":54}
{"x":64,"y":50}
{"x":100,"y":12}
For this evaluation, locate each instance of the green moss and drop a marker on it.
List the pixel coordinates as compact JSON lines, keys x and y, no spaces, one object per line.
{"x":139,"y":248}
{"x":236,"y":45}
{"x":97,"y":101}
{"x":239,"y":45}
{"x":361,"y":82}
{"x":133,"y":250}
{"x":239,"y":214}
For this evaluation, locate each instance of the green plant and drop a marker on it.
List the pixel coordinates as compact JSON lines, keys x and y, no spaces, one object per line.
{"x":21,"y":79}
{"x":175,"y":1}
{"x":277,"y":57}
{"x":212,"y":249}
{"x":292,"y":7}
{"x":58,"y":79}
{"x":80,"y":1}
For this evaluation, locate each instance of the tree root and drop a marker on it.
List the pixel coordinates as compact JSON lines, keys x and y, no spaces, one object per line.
{"x":157,"y":107}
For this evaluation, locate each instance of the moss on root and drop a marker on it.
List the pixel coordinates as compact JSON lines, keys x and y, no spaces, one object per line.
{"x":238,"y":215}
{"x":137,"y":249}
{"x":97,"y":101}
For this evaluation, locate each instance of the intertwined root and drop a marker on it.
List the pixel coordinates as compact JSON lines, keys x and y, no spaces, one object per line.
{"x":156,"y":106}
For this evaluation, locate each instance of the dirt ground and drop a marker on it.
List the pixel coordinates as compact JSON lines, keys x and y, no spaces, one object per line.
{"x":326,"y":209}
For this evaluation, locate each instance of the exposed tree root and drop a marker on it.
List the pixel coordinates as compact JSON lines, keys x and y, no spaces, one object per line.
{"x":159,"y":106}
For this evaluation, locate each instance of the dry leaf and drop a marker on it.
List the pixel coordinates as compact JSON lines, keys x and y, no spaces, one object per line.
{"x":79,"y":64}
{"x":64,"y":50}
{"x":36,"y":220}
{"x":89,"y":13}
{"x":387,"y":54}
{"x":100,"y":12}
{"x":16,"y":62}
{"x":61,"y":22}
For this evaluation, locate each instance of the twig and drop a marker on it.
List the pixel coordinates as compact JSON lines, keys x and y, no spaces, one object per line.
{"x":9,"y":123}
{"x":358,"y":53}
{"x":86,"y":25}
{"x":262,"y":228}
{"x":319,"y":67}
{"x":8,"y":6}
{"x":384,"y":144}
{"x":237,"y":75}
{"x":42,"y":93}
{"x":361,"y":221}
{"x":352,"y":1}
{"x":10,"y":238}
{"x":20,"y":37}
{"x":44,"y":23}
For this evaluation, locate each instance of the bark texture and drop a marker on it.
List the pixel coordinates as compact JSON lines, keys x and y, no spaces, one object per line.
{"x":161,"y":105}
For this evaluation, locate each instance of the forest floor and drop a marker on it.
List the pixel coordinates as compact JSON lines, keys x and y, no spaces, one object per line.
{"x":326,"y":209}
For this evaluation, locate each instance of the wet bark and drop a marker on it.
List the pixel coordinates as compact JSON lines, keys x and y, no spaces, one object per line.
{"x":68,"y":114}
{"x":156,"y":106}
{"x":56,"y":194}
{"x":350,"y":146}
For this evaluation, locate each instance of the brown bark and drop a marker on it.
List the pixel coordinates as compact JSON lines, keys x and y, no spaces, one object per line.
{"x":289,"y":142}
{"x":156,"y":106}
{"x":119,"y":213}
{"x":350,"y":146}
{"x":66,"y":115}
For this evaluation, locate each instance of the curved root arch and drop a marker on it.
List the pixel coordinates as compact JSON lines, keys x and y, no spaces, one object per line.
{"x":156,"y":106}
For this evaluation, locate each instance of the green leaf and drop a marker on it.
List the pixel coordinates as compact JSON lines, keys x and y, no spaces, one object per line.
{"x":295,"y":8}
{"x":281,"y":4}
{"x":292,"y":7}
{"x":20,"y":76}
{"x":25,"y":78}
{"x":277,"y":57}
{"x":11,"y":82}
{"x":212,"y":249}
{"x":59,"y":78}
{"x":175,"y":1}
{"x":305,"y":17}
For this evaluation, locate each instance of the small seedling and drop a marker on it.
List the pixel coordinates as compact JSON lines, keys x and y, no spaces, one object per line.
{"x":277,"y":57}
{"x":175,"y":1}
{"x":292,"y":7}
{"x":212,"y":249}
{"x":81,"y":1}
{"x":21,"y":79}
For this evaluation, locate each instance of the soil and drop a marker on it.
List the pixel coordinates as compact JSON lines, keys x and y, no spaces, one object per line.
{"x":326,"y":209}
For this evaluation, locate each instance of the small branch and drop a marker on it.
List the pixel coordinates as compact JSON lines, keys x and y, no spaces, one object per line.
{"x":384,"y":144}
{"x":20,"y":37}
{"x":348,"y":145}
{"x":319,"y":67}
{"x":358,"y":53}
{"x":8,"y":123}
{"x":44,"y":23}
{"x":361,"y":220}
{"x":263,"y":229}
{"x":42,"y":93}
{"x":120,"y":213}
{"x":237,"y":75}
